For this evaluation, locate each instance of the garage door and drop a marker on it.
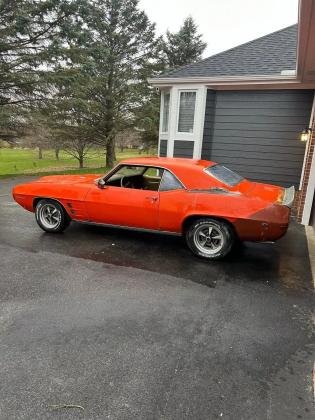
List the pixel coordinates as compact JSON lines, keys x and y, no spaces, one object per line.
{"x":257,"y":132}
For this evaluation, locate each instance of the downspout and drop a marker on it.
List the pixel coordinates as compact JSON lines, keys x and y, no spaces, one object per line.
{"x":307,"y":143}
{"x":310,"y":189}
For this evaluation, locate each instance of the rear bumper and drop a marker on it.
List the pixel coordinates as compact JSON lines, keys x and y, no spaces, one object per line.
{"x":274,"y":231}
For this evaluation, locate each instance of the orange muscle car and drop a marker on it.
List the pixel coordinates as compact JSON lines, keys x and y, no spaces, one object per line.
{"x":205,"y":201}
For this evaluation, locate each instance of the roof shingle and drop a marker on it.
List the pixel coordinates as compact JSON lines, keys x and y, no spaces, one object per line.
{"x":268,"y":55}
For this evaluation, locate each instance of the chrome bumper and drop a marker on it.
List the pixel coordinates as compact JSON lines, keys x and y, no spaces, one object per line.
{"x":288,"y":196}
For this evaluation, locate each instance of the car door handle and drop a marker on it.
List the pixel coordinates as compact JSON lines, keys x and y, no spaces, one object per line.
{"x":152,"y":199}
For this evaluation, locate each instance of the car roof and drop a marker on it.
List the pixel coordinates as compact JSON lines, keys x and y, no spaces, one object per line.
{"x":169,"y":163}
{"x":189,"y":171}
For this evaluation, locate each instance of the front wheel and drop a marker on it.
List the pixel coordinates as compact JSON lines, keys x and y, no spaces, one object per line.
{"x":210,"y":238}
{"x":51,"y":216}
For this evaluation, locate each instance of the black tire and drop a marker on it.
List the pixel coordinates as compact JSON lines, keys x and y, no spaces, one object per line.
{"x":51,"y":216}
{"x":218,"y":236}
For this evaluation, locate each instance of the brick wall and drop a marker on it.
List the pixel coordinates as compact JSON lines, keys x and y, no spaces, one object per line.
{"x":306,"y":175}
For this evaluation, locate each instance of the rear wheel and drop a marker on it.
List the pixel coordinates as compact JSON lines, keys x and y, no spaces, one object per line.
{"x":210,"y":238}
{"x":51,"y":216}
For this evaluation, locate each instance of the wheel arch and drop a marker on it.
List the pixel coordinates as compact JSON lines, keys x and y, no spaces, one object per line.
{"x":193,"y":217}
{"x":36,"y":200}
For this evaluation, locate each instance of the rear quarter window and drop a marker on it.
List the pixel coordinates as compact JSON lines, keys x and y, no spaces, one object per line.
{"x":225,"y":175}
{"x":169,"y":182}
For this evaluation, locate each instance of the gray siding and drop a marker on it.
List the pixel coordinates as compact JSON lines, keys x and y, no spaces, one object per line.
{"x":183,"y":148}
{"x":257,"y":133}
{"x":163,"y":148}
{"x":208,"y":124}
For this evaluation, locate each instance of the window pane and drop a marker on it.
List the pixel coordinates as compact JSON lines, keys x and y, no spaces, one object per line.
{"x":130,"y":170}
{"x":166,"y":110}
{"x":225,"y":175}
{"x":136,"y":177}
{"x":153,"y":172}
{"x":186,"y":112}
{"x":169,"y":182}
{"x":126,"y":171}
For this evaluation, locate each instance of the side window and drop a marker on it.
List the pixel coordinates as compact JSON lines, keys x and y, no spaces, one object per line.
{"x":186,"y":113}
{"x":169,"y":182}
{"x":136,"y":177}
{"x":165,"y":111}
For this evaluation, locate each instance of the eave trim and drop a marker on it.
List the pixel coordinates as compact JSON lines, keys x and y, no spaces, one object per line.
{"x":224,"y":79}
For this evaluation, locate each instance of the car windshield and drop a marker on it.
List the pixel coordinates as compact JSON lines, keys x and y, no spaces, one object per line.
{"x":224,"y":175}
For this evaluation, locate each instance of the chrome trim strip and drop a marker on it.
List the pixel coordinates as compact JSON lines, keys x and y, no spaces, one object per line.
{"x":162,"y":232}
{"x":214,"y":190}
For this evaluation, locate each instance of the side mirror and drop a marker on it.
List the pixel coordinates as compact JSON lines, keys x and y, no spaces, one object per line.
{"x":100,"y":183}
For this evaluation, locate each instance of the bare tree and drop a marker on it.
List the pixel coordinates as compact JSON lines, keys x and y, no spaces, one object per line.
{"x":74,"y":141}
{"x":128,"y":138}
{"x":37,"y":133}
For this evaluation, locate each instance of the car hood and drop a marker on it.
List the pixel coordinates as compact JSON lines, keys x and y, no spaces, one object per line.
{"x":68,"y":179}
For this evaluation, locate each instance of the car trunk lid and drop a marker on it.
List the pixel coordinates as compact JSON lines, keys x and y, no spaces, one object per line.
{"x":266,"y":192}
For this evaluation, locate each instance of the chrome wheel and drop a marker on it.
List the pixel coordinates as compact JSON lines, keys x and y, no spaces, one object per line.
{"x":208,"y":239}
{"x":50,"y":216}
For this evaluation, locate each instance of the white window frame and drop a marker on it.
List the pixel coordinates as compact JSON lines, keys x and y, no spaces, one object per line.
{"x":163,"y":93}
{"x":197,"y":135}
{"x":179,"y":134}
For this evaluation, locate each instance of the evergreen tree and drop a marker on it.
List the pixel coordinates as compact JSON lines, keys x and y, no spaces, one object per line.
{"x":30,"y":32}
{"x":12,"y":125}
{"x":147,"y":120}
{"x":106,"y":74}
{"x":185,"y":46}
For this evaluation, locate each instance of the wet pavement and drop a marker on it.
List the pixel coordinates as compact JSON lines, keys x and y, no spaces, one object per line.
{"x":131,"y":325}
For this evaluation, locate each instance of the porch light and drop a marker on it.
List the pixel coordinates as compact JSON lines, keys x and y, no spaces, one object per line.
{"x":305,"y":134}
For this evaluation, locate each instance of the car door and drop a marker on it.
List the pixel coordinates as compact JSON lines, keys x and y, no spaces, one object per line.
{"x":117,"y":205}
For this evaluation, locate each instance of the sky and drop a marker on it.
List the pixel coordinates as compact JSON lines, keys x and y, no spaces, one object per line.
{"x":223,"y":23}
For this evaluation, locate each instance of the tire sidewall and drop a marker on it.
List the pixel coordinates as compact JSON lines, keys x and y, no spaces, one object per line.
{"x":225,"y":229}
{"x":63,"y":217}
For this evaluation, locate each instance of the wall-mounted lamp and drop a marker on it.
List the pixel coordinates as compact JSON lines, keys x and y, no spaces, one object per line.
{"x":305,"y":135}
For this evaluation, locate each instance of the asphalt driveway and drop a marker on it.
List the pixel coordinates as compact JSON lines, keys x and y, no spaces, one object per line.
{"x":132,"y":326}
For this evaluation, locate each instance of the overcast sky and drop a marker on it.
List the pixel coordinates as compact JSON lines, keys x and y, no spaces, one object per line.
{"x":223,"y":23}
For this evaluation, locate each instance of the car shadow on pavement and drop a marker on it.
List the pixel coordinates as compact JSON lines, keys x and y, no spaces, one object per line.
{"x":285,"y":263}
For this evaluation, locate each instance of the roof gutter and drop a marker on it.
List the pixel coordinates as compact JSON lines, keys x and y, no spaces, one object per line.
{"x":223,"y":80}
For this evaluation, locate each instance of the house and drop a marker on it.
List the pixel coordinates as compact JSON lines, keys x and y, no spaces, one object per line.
{"x":247,"y":108}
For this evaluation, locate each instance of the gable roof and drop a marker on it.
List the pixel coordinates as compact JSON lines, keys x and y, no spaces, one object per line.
{"x":268,"y":55}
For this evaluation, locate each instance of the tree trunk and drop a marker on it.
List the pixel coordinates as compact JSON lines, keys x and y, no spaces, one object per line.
{"x":57,"y":150}
{"x":40,"y":153}
{"x":121,"y":148}
{"x":109,"y":131}
{"x":110,"y":152}
{"x":81,"y":162}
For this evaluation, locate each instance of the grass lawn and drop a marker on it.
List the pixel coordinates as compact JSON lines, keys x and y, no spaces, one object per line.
{"x":25,"y":162}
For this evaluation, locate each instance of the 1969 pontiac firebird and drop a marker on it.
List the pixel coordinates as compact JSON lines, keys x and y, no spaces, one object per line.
{"x":209,"y":204}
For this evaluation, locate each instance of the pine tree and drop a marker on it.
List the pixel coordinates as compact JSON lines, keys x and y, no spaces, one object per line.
{"x":185,"y":46}
{"x":108,"y":69}
{"x":30,"y":32}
